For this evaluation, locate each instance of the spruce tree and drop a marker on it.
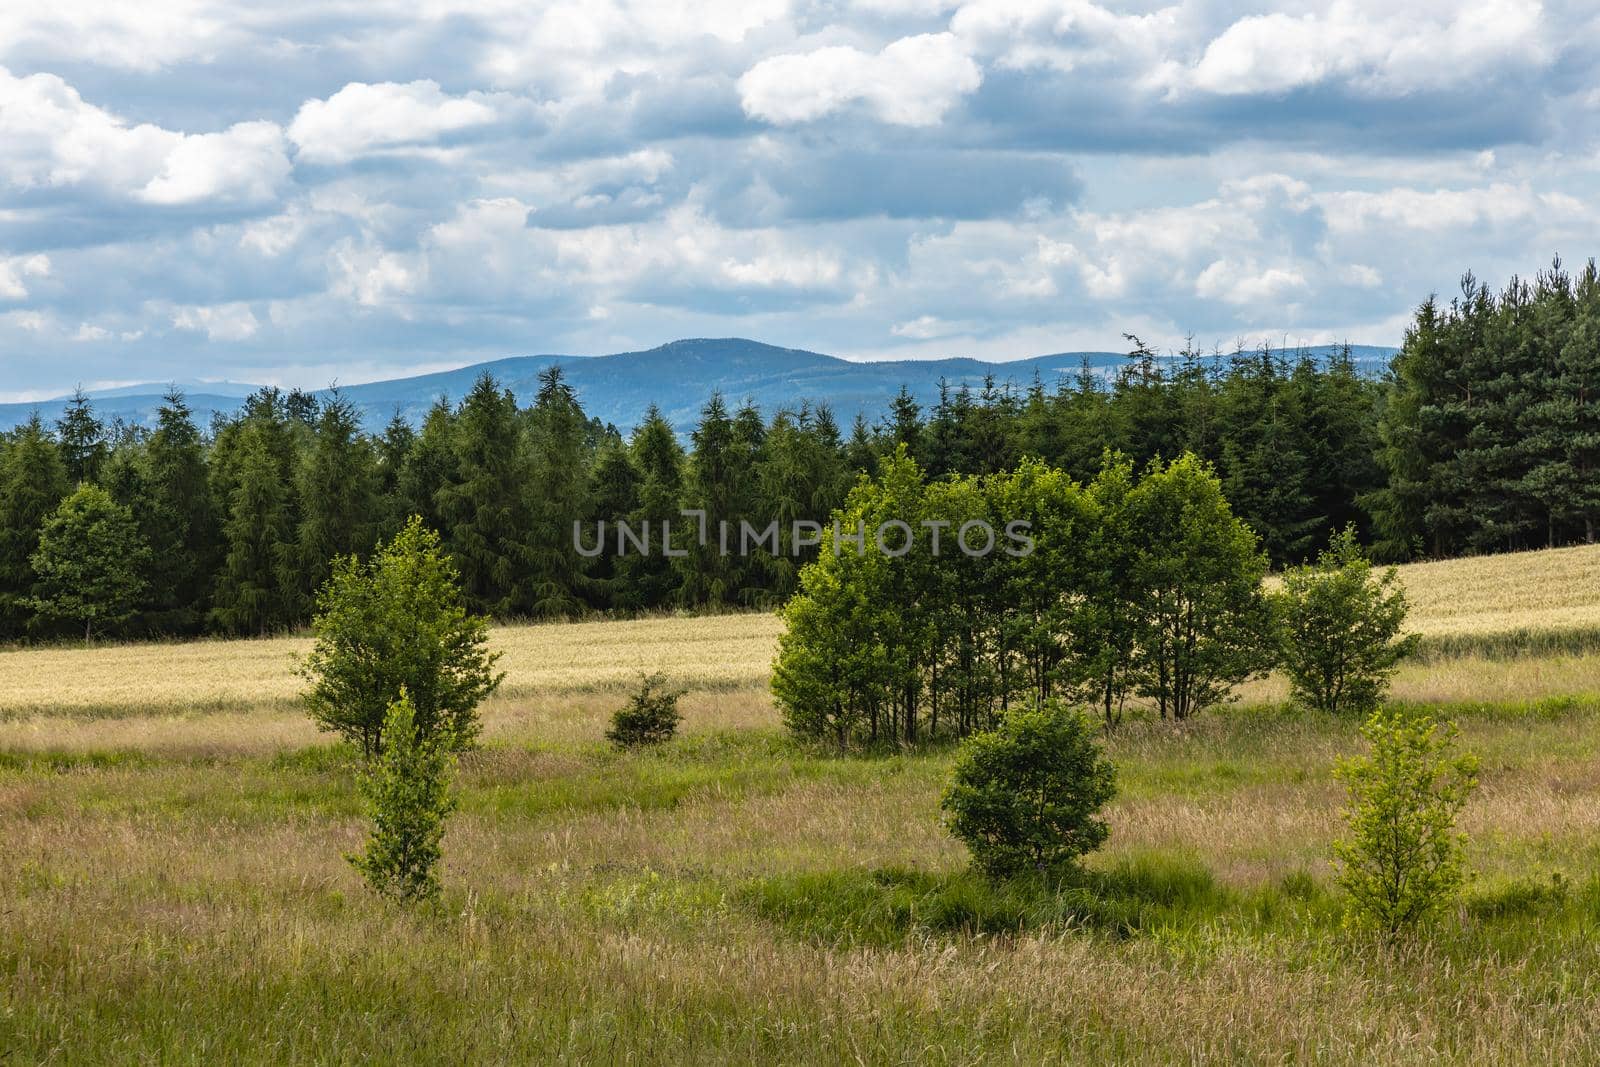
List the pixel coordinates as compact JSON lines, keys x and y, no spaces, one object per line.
{"x":338,"y":495}
{"x":557,"y":496}
{"x":33,"y":481}
{"x":255,"y":590}
{"x":176,"y":518}
{"x":484,"y":506}
{"x":82,"y":438}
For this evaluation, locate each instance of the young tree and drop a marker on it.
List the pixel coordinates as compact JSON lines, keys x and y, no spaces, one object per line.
{"x":90,"y":562}
{"x":1341,"y":626}
{"x":407,"y":794}
{"x":1024,"y":796}
{"x":1204,"y":623}
{"x":650,"y":717}
{"x":1403,"y":858}
{"x":398,"y":623}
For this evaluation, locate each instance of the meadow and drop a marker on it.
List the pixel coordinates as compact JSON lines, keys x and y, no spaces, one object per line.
{"x":172,"y":887}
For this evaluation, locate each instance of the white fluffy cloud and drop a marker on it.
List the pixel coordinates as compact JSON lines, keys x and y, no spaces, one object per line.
{"x":425,"y":181}
{"x":50,"y":137}
{"x":362,"y":118}
{"x":1384,"y":49}
{"x":913,"y":81}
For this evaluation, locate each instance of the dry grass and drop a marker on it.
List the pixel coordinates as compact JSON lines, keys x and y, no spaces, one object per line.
{"x":172,"y":888}
{"x":1537,"y":595}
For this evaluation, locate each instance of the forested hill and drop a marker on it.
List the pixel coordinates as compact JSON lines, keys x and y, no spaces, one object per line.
{"x":676,"y":377}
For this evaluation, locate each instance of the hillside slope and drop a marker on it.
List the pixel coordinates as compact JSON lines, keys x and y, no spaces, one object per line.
{"x":676,"y":377}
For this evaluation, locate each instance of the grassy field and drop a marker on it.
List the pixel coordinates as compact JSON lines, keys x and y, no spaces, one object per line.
{"x":172,"y":887}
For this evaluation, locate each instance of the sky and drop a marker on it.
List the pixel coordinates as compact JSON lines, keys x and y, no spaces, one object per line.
{"x":312,"y":191}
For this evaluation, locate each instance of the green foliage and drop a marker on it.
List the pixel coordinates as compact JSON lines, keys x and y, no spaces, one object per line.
{"x":1341,"y":626}
{"x":650,"y":717}
{"x":407,"y":793}
{"x":1203,"y":624}
{"x":394,"y":624}
{"x":32,"y":483}
{"x":1023,"y":796}
{"x":176,"y":514}
{"x":255,"y":589}
{"x":1403,"y":859}
{"x":90,"y":562}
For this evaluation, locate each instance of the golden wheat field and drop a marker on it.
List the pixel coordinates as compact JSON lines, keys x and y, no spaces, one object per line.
{"x":173,"y":888}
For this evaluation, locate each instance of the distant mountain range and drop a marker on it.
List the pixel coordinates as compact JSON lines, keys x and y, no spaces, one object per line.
{"x":676,"y":377}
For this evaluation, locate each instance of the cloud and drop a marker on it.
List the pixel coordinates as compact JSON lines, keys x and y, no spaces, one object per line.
{"x":15,"y":271}
{"x":51,"y":138}
{"x":360,"y":119}
{"x":1382,"y":50}
{"x":913,"y":81}
{"x":222,"y":322}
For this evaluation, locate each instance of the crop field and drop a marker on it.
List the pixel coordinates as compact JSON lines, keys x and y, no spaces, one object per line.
{"x":173,"y":888}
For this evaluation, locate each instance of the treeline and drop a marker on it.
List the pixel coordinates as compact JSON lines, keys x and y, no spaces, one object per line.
{"x":1490,"y":433}
{"x":1483,"y":437}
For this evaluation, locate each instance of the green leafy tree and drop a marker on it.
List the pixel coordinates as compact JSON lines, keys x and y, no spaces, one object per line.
{"x":1341,"y":627}
{"x":1402,"y":860}
{"x":90,"y":562}
{"x":1204,"y":624}
{"x":407,"y":794}
{"x":557,"y":487}
{"x":1025,"y":795}
{"x":398,"y":623}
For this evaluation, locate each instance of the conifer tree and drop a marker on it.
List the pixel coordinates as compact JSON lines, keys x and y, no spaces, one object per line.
{"x":176,"y":518}
{"x":484,"y":507}
{"x":255,"y":591}
{"x":33,"y":481}
{"x":557,"y":497}
{"x":82,"y":438}
{"x":338,"y":492}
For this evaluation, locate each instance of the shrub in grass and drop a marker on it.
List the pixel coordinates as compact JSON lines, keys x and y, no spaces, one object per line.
{"x":1024,"y":796}
{"x":407,"y":793}
{"x":650,"y":716}
{"x":1340,"y":627}
{"x":1402,"y":860}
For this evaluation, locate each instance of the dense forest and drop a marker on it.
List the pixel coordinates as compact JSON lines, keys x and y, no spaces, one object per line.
{"x":1483,"y":436}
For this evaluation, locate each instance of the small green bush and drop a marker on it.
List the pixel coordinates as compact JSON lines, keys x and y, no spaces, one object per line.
{"x":1340,"y":629}
{"x":650,"y":716}
{"x":1023,"y":796}
{"x":1403,"y":859}
{"x":407,"y":793}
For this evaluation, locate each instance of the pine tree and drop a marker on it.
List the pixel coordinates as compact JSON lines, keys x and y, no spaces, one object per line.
{"x":706,"y":574}
{"x":82,"y":438}
{"x":429,"y":468}
{"x":33,"y":481}
{"x":176,"y":518}
{"x":255,"y":589}
{"x":651,"y":575}
{"x":484,"y":506}
{"x":338,"y":495}
{"x":557,"y":488}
